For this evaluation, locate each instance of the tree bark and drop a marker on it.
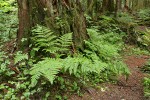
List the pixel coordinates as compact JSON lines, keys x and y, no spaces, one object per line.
{"x":79,"y":26}
{"x":45,"y":12}
{"x":24,"y":25}
{"x":119,"y":4}
{"x":116,"y":8}
{"x":108,"y":6}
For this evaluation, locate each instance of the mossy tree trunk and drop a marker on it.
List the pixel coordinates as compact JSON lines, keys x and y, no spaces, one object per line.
{"x":116,"y":8}
{"x":24,"y":25}
{"x":119,"y":4}
{"x":93,"y":8}
{"x":47,"y":12}
{"x":108,"y":6}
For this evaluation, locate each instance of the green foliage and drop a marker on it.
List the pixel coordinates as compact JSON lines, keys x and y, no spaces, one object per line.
{"x":144,"y":37}
{"x":10,"y":86}
{"x":44,"y":39}
{"x":146,"y":68}
{"x":143,"y":14}
{"x":13,"y":92}
{"x":8,"y":22}
{"x":47,"y":68}
{"x":107,"y":24}
{"x":126,"y":18}
{"x":136,"y":34}
{"x":118,"y":68}
{"x":139,"y":51}
{"x":106,"y":46}
{"x":64,"y":42}
{"x":146,"y":80}
{"x":48,"y":71}
{"x":146,"y":84}
{"x":6,"y":5}
{"x":20,"y":57}
{"x":83,"y":65}
{"x":4,"y":70}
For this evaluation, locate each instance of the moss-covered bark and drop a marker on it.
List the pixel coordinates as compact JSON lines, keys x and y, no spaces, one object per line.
{"x":61,"y":16}
{"x":24,"y":25}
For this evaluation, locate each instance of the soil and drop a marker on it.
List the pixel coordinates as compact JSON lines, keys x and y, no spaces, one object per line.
{"x":131,"y":89}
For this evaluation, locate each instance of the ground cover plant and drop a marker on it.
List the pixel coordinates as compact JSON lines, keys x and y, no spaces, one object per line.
{"x":52,"y":50}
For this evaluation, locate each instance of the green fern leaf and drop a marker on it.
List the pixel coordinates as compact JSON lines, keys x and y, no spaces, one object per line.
{"x":19,"y":57}
{"x":47,"y":68}
{"x":43,"y":38}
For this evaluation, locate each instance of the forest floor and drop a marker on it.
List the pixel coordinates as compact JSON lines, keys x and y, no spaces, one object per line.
{"x":132,"y":89}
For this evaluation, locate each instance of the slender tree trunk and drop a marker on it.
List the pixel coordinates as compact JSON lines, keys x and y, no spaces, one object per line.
{"x":111,"y":7}
{"x":116,"y":8}
{"x":119,"y":4}
{"x":105,"y":5}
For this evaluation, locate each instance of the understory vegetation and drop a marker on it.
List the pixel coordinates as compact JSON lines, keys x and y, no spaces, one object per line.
{"x":54,"y":69}
{"x":146,"y":80}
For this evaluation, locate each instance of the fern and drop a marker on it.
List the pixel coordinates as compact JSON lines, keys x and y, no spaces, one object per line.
{"x":45,"y":39}
{"x":83,"y":65}
{"x":2,"y":56}
{"x":99,"y":51}
{"x":106,"y":46}
{"x":119,"y":68}
{"x":19,"y":57}
{"x":71,"y":64}
{"x":146,"y":83}
{"x":47,"y":68}
{"x":65,"y":41}
{"x":143,"y":37}
{"x":104,"y":51}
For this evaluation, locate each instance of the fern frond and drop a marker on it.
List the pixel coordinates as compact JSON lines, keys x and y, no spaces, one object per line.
{"x":48,"y":68}
{"x":65,"y":41}
{"x":83,"y":65}
{"x":20,"y":56}
{"x":71,"y":64}
{"x":46,"y":40}
{"x":118,"y":68}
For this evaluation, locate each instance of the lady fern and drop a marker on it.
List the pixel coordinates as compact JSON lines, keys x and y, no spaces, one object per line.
{"x":47,"y":41}
{"x":106,"y":46}
{"x":64,"y":42}
{"x":96,"y":58}
{"x":44,"y":38}
{"x":83,"y":65}
{"x":47,"y":68}
{"x":50,"y":67}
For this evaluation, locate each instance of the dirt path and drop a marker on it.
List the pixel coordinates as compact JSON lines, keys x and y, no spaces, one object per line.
{"x":130,"y":90}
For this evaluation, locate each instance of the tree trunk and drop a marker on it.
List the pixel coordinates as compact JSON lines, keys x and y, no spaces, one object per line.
{"x":93,"y":8}
{"x":79,"y":26}
{"x":116,"y":8}
{"x":119,"y":4}
{"x":108,"y":6}
{"x":105,"y":5}
{"x":126,"y":7}
{"x":45,"y":12}
{"x":24,"y":25}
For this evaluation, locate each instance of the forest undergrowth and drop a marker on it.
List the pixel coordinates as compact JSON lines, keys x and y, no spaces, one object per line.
{"x":53,"y":69}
